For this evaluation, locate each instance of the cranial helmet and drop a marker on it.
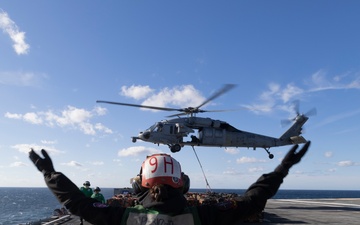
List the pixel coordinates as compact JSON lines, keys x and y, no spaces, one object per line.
{"x":86,"y":183}
{"x":97,"y":189}
{"x":160,"y":169}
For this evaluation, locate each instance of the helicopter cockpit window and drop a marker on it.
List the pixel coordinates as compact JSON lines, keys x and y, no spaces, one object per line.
{"x":157,"y":127}
{"x":153,"y":127}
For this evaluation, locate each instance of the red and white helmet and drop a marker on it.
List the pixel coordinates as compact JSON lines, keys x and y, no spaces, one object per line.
{"x":161,"y":169}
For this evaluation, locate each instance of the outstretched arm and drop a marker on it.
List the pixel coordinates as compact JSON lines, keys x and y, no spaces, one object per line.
{"x":71,"y":197}
{"x":268,"y":184}
{"x":63,"y":188}
{"x":248,"y":206}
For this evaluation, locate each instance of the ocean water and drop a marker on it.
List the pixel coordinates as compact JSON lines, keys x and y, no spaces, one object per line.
{"x":23,"y":205}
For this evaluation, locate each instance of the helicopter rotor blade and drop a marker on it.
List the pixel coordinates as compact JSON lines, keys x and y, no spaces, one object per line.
{"x":184,"y":111}
{"x":286,"y":122}
{"x":222,"y":91}
{"x":178,"y":114}
{"x":201,"y":111}
{"x":139,"y":106}
{"x":311,"y":112}
{"x":296,"y":106}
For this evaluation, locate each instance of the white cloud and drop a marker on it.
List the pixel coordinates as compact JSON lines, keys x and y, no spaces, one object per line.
{"x":32,"y":118}
{"x":179,"y":96}
{"x":289,"y":92}
{"x":97,"y":163}
{"x":328,"y":154}
{"x":231,"y":172}
{"x":101,"y":127}
{"x":232,"y":151}
{"x":276,"y":95}
{"x":346,"y":163}
{"x":137,"y":150}
{"x":255,"y":169}
{"x":46,"y":142}
{"x":118,"y":162}
{"x":86,"y":128}
{"x":319,"y":82}
{"x":136,"y":92}
{"x":354,"y":84}
{"x":243,"y":160}
{"x":13,"y":115}
{"x":25,"y":79}
{"x":298,"y":172}
{"x":100,"y":110}
{"x":18,"y":164}
{"x":72,"y":164}
{"x":18,"y":37}
{"x":73,"y":117}
{"x":25,"y":148}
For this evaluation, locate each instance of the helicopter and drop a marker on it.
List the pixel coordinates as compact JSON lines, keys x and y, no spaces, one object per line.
{"x":212,"y":132}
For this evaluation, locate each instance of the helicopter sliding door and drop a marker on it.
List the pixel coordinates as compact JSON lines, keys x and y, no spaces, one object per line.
{"x":211,"y":136}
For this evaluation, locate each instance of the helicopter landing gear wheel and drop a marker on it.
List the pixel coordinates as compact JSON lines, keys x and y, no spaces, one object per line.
{"x":271,"y":156}
{"x":175,"y":148}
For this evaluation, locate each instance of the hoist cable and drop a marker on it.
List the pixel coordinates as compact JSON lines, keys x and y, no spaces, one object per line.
{"x":207,"y":183}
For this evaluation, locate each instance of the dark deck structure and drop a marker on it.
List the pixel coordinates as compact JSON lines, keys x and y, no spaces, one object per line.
{"x":295,"y":211}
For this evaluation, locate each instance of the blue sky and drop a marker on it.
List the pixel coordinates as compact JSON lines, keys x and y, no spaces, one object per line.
{"x":58,"y":57}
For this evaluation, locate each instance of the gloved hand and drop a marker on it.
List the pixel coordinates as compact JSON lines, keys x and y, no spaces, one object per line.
{"x":45,"y":164}
{"x":292,"y":158}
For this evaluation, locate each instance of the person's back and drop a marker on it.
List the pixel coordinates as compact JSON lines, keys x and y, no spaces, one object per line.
{"x":152,"y":216}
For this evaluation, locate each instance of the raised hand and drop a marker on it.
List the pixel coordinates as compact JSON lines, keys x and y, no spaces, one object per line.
{"x":292,"y":158}
{"x":45,"y":164}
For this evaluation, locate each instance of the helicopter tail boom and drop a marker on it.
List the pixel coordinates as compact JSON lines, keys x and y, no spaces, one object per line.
{"x":293,"y":134}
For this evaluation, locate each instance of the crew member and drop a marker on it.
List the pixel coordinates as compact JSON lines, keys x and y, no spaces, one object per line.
{"x":161,"y":186}
{"x":97,"y":195}
{"x":86,"y":189}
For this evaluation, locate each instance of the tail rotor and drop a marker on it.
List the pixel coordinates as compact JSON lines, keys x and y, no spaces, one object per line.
{"x":296,"y":108}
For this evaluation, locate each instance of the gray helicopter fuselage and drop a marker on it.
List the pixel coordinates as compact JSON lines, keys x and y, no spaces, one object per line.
{"x":212,"y":132}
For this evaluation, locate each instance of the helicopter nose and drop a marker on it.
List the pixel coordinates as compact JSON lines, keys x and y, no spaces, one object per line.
{"x":144,"y":135}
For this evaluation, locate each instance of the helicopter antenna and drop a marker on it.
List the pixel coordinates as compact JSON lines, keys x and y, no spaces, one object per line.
{"x":207,"y":183}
